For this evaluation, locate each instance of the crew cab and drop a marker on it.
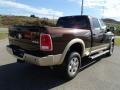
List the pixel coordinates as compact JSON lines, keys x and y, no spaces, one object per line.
{"x":65,"y":45}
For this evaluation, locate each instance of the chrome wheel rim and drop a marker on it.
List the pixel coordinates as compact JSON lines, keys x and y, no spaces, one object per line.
{"x":73,"y":66}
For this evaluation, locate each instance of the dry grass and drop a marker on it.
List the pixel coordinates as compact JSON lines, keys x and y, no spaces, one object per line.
{"x":3,"y":35}
{"x":117,"y":41}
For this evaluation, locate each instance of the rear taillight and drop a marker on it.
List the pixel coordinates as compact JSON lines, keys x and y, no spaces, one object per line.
{"x":46,"y":42}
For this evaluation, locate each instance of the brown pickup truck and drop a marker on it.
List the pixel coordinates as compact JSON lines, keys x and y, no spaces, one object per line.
{"x":73,"y":38}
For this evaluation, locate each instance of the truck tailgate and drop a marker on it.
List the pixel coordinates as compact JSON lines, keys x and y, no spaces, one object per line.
{"x":25,"y":37}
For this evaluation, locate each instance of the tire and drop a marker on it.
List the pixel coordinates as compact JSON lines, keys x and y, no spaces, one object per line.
{"x":20,"y":61}
{"x":71,"y":65}
{"x":111,"y":49}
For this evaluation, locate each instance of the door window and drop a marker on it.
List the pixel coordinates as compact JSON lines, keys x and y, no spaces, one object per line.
{"x":103,"y":26}
{"x":95,"y":23}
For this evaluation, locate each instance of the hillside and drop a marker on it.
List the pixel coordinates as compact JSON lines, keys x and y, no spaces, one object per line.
{"x":12,"y":20}
{"x":108,"y":20}
{"x":113,"y":23}
{"x":5,"y":21}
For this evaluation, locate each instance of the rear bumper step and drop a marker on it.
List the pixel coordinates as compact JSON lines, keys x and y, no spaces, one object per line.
{"x":49,"y":60}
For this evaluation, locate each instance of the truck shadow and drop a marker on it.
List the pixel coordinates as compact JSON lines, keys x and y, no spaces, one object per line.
{"x":24,"y":76}
{"x":87,"y":62}
{"x":18,"y":76}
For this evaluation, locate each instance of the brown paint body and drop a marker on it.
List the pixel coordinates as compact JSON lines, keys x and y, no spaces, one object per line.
{"x":60,"y":38}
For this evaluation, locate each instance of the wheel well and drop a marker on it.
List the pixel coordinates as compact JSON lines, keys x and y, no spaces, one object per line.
{"x":113,"y":40}
{"x":77,"y":47}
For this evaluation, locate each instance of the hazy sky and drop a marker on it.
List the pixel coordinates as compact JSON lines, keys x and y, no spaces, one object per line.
{"x":48,"y":8}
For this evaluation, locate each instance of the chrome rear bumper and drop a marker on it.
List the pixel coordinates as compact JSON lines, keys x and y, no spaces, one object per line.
{"x":49,"y":60}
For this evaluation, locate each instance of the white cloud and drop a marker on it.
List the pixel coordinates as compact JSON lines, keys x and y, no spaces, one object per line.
{"x":111,"y":7}
{"x":89,"y":3}
{"x":19,"y":6}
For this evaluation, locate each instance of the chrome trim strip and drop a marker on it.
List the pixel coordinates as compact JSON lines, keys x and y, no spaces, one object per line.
{"x":97,"y":50}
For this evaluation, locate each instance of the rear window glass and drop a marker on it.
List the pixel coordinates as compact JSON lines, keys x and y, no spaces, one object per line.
{"x":79,"y":22}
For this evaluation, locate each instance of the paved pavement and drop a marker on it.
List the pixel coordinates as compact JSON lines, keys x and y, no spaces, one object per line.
{"x":5,"y":58}
{"x":3,"y":30}
{"x":103,"y":75}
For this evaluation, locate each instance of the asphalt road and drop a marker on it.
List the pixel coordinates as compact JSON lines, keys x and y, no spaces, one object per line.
{"x":102,"y":75}
{"x":3,"y":30}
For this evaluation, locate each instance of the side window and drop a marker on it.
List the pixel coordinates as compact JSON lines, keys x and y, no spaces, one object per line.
{"x":102,"y":23}
{"x":103,"y":26}
{"x":95,"y":23}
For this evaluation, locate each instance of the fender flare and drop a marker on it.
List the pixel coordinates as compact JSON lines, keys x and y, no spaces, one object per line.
{"x":113,"y":38}
{"x":77,"y":40}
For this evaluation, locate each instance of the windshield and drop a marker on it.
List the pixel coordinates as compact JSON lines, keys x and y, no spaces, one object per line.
{"x":79,"y":22}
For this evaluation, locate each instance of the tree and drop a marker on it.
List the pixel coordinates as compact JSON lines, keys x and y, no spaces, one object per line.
{"x":32,"y":15}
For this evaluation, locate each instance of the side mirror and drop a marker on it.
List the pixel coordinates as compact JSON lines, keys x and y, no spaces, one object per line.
{"x":108,"y":30}
{"x":112,"y":29}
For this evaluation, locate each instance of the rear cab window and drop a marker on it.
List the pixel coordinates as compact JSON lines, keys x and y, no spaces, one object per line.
{"x":79,"y":22}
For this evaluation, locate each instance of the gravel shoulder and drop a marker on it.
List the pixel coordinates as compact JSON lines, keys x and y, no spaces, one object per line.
{"x":5,"y":57}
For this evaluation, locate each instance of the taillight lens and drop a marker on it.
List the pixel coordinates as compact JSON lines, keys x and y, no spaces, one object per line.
{"x":46,"y":42}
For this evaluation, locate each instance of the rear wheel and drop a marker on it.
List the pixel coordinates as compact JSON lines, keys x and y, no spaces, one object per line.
{"x":72,"y":65}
